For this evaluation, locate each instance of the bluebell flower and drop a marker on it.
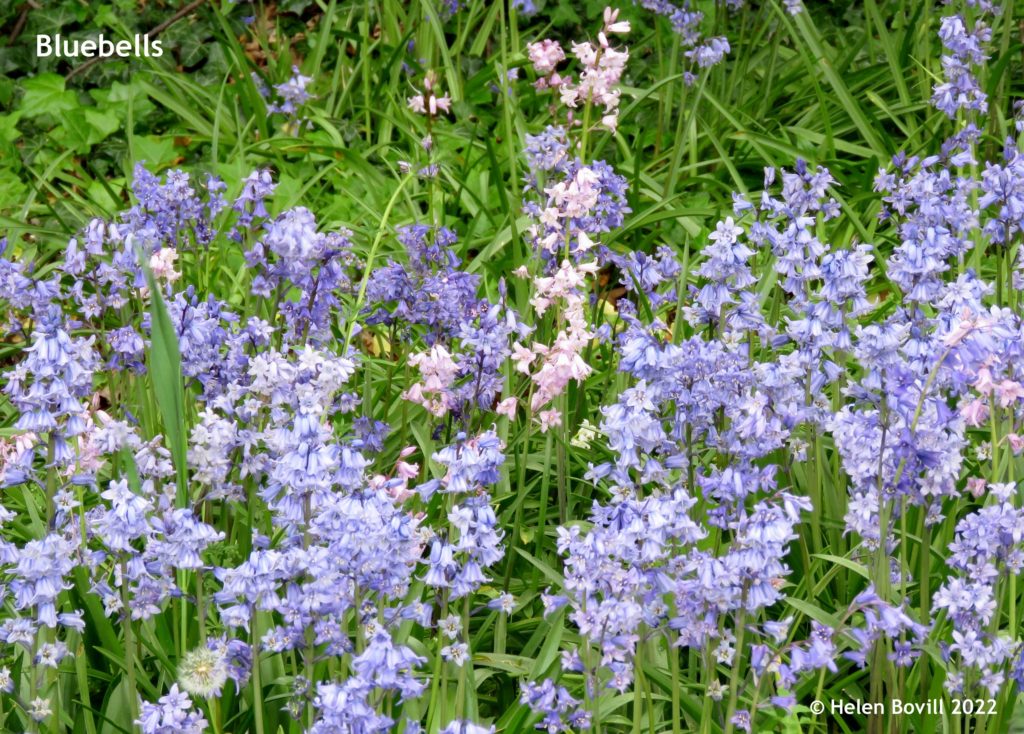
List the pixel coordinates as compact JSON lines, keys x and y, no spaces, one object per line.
{"x":547,"y":150}
{"x":172,"y":714}
{"x":965,"y":45}
{"x":292,"y":94}
{"x":50,"y":386}
{"x":251,"y":202}
{"x":685,"y":21}
{"x":560,"y":711}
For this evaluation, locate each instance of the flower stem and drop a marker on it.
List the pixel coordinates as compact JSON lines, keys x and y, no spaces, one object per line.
{"x":673,"y":662}
{"x":129,"y":647}
{"x":737,"y":658}
{"x":545,"y":484}
{"x":257,"y":675}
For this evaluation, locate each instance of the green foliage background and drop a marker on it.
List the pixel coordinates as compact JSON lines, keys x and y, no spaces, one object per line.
{"x":843,"y":85}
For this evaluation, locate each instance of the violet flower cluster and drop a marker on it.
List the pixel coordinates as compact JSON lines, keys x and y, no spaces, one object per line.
{"x":318,"y":490}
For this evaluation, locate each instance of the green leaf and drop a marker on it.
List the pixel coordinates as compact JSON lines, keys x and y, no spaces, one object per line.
{"x":546,"y":657}
{"x":812,"y":611}
{"x":7,"y":87}
{"x":295,"y":6}
{"x":514,"y":664}
{"x":552,"y":575}
{"x":117,"y":710}
{"x":164,"y":361}
{"x":101,"y":195}
{"x":98,"y":623}
{"x":45,"y":95}
{"x":12,"y":188}
{"x":102,"y":122}
{"x":53,"y":19}
{"x":824,"y":62}
{"x":83,"y":128}
{"x":564,"y":14}
{"x":116,"y":100}
{"x":857,"y":568}
{"x":9,"y":127}
{"x":155,"y":151}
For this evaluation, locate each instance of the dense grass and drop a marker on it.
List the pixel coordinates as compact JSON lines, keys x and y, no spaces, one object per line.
{"x":844,"y":86}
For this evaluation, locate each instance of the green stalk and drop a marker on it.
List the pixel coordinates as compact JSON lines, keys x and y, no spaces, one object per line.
{"x":638,"y":708}
{"x":51,"y":478}
{"x":880,"y":572}
{"x":673,"y":663}
{"x":993,"y":414}
{"x":708,"y":674}
{"x":682,"y":125}
{"x":200,"y":608}
{"x":257,"y":676}
{"x":737,"y":658}
{"x":904,"y":571}
{"x":520,"y":496}
{"x":665,"y":104}
{"x":129,"y":647}
{"x":595,"y":700}
{"x":435,"y":711}
{"x":460,"y":699}
{"x":29,"y":660}
{"x":82,"y":679}
{"x":925,"y":594}
{"x":308,"y":660}
{"x":364,"y":32}
{"x":819,"y":691}
{"x":214,"y":703}
{"x":48,"y":635}
{"x":563,"y":460}
{"x":545,"y":484}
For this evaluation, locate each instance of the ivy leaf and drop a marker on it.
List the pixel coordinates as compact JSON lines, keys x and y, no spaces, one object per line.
{"x":9,"y":127}
{"x":11,"y":186}
{"x":564,"y":15}
{"x":45,"y":95}
{"x":83,"y":128}
{"x":54,"y":19}
{"x":115,"y":100}
{"x":156,"y":151}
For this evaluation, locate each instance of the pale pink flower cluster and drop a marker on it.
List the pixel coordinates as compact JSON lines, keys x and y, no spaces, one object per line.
{"x":438,"y":370}
{"x":568,"y":199}
{"x":90,"y":454}
{"x":549,"y":419}
{"x":552,"y":367}
{"x":976,"y":486}
{"x":427,"y":102}
{"x":507,"y":408}
{"x":574,"y":197}
{"x":975,"y":412}
{"x":1006,"y":391}
{"x":545,"y":56}
{"x":13,"y":450}
{"x":602,"y":69}
{"x":17,"y":449}
{"x":561,"y":361}
{"x":162,"y":264}
{"x":966,"y":324}
{"x":397,"y":487}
